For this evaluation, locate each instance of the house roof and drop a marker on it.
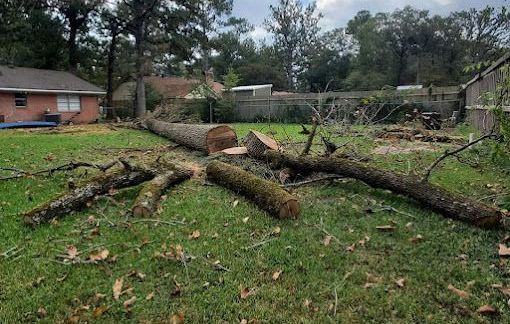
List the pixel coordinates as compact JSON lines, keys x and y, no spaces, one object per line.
{"x":502,"y":60}
{"x":167,"y":87}
{"x":252,"y":87}
{"x":44,"y":81}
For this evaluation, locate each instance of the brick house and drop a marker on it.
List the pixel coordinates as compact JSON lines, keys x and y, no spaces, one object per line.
{"x":28,"y":94}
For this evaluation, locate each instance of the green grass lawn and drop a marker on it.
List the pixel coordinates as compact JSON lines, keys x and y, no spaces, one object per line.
{"x":351,"y":279}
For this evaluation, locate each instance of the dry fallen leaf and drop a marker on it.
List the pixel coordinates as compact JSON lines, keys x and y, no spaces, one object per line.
{"x":150,"y":296}
{"x":195,"y":235}
{"x":327,"y":240}
{"x":276,"y":275}
{"x":386,"y":228}
{"x":416,"y":239}
{"x":246,"y":292}
{"x":236,"y":202}
{"x":99,"y":256}
{"x":351,"y":248}
{"x":42,"y":313}
{"x":245,"y":220}
{"x":461,"y":293}
{"x":243,"y":321}
{"x":276,"y":231}
{"x":98,"y":311}
{"x":504,"y":251}
{"x":177,"y":318}
{"x":72,"y":252}
{"x":400,"y":282}
{"x":409,"y":226}
{"x":504,"y":290}
{"x":487,"y":309}
{"x":117,"y":288}
{"x":128,"y":303}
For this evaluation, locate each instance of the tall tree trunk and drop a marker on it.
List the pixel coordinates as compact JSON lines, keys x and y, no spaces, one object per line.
{"x":71,"y":44}
{"x":140,"y":107}
{"x":110,"y":113}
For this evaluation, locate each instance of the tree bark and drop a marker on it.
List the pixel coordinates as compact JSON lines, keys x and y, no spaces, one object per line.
{"x":206,"y":138}
{"x":437,"y":199}
{"x":78,"y":198}
{"x":140,"y":105}
{"x":266,"y":194}
{"x":114,"y":30}
{"x":257,"y":143}
{"x":147,"y":201}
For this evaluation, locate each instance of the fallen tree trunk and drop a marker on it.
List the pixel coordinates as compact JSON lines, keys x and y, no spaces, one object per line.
{"x":266,"y":194}
{"x":78,"y":198}
{"x":437,"y":199}
{"x":147,"y":201}
{"x":206,"y":138}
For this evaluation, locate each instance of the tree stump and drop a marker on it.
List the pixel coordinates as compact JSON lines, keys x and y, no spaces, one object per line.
{"x":257,"y":143}
{"x":265,"y":194}
{"x":206,"y":138}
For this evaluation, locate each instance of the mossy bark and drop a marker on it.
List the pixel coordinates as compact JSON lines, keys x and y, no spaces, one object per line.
{"x":147,"y":201}
{"x":206,"y":138}
{"x":437,"y":199}
{"x":265,"y":194}
{"x":78,"y":198}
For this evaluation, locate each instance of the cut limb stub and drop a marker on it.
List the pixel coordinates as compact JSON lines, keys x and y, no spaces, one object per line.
{"x":437,"y":199}
{"x":78,"y":198}
{"x":267,"y":195}
{"x":206,"y":138}
{"x":257,"y":143}
{"x":147,"y":201}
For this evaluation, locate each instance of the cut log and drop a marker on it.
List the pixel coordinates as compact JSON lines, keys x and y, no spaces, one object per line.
{"x":206,"y":138}
{"x":437,"y":199}
{"x":147,"y":201}
{"x":266,"y":194}
{"x":78,"y":198}
{"x":235,"y":151}
{"x":257,"y":143}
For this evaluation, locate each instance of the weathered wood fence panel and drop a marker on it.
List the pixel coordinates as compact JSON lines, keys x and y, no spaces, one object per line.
{"x":296,"y":107}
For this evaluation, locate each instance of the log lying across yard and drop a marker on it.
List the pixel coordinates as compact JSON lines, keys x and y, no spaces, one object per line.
{"x":78,"y":198}
{"x":206,"y":138}
{"x":147,"y":201}
{"x":161,"y":173}
{"x":266,"y":194}
{"x":437,"y":199}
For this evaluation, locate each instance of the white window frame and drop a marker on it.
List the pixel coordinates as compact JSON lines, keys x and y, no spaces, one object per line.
{"x":68,"y":103}
{"x":26,"y":100}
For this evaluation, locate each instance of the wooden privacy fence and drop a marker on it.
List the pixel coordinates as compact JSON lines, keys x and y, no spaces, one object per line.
{"x":296,"y":107}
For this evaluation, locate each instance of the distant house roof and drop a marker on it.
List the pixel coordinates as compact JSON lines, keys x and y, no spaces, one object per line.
{"x":44,"y":81}
{"x":167,"y":87}
{"x":252,"y":87}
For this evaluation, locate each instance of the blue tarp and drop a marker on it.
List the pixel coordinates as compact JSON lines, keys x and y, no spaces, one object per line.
{"x":27,"y":124}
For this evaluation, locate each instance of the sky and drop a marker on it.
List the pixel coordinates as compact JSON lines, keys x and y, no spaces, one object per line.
{"x":338,"y":12}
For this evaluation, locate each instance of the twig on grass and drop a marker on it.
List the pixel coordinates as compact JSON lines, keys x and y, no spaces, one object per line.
{"x":64,"y":167}
{"x":310,"y":181}
{"x":258,"y":244}
{"x":448,"y":153}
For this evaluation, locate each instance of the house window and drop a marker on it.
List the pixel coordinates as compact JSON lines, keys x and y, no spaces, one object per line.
{"x":20,"y":99}
{"x":68,"y":103}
